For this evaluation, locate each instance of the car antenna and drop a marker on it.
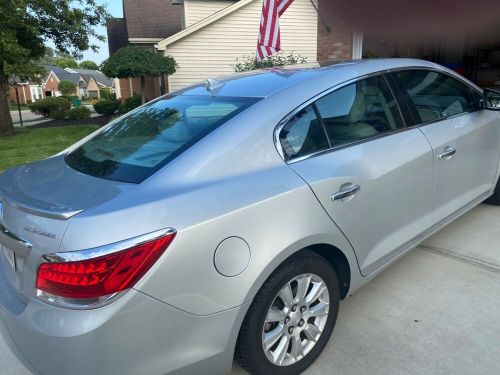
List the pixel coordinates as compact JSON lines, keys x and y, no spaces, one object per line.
{"x":213,"y":85}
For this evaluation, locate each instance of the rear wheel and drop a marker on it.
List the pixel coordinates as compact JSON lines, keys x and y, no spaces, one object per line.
{"x":291,"y":318}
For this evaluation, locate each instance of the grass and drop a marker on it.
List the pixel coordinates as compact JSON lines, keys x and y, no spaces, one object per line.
{"x":34,"y":144}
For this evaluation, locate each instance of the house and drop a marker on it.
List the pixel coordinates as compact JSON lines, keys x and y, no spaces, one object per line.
{"x":27,"y":91}
{"x":100,"y":79}
{"x":213,"y":34}
{"x":88,"y":83}
{"x":217,"y":33}
{"x":144,"y":24}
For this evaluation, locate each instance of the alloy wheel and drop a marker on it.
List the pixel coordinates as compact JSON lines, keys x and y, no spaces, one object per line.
{"x":295,"y":320}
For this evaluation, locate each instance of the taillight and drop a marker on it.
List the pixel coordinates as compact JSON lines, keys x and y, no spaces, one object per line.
{"x":95,"y":278}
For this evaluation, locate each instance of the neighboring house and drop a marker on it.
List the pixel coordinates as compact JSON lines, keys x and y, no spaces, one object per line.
{"x":27,"y":91}
{"x":144,"y":23}
{"x":101,"y":80}
{"x":56,"y":75}
{"x":220,"y":32}
{"x":88,"y":83}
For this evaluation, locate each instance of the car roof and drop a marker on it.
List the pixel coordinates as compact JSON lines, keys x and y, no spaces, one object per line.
{"x":267,"y":82}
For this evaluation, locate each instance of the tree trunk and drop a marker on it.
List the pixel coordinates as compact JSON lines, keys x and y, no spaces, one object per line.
{"x":143,"y":90}
{"x":6,"y":126}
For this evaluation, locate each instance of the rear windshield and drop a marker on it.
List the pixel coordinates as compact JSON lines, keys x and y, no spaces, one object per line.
{"x":140,"y":143}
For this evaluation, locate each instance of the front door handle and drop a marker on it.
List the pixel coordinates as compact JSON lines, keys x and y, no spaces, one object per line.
{"x":346,"y":192}
{"x":447,"y":153}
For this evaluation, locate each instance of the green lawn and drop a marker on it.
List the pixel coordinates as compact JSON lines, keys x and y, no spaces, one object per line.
{"x":34,"y":144}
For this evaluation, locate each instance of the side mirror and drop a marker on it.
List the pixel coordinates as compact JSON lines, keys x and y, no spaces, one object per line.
{"x":491,"y":100}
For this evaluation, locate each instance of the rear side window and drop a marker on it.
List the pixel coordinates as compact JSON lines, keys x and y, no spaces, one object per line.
{"x":436,"y":96}
{"x":303,"y":134}
{"x":358,"y":111}
{"x":140,"y":143}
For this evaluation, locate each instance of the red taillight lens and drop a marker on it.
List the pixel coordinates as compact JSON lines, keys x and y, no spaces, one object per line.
{"x":101,"y":276}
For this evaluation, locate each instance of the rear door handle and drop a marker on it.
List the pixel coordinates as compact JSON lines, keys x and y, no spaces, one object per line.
{"x":448,"y":153}
{"x":346,"y":192}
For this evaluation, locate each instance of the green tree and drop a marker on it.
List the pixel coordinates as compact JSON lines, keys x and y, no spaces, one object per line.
{"x":67,"y":88}
{"x":132,"y":62}
{"x":65,"y":62}
{"x":26,"y":24}
{"x":87,"y":64}
{"x":48,"y":57}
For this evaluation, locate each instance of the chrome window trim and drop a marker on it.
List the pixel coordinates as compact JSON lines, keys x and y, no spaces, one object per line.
{"x":284,"y":121}
{"x":74,"y":256}
{"x":347,"y":145}
{"x":406,"y":127}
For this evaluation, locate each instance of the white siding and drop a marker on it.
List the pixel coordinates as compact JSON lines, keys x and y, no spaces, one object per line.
{"x":212,"y":51}
{"x":196,"y":10}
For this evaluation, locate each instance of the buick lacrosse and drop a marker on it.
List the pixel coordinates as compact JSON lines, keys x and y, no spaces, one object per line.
{"x":229,"y":219}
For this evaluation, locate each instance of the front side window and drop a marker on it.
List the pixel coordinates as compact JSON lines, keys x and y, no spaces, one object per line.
{"x":358,"y":111}
{"x":303,"y":134}
{"x":436,"y":96}
{"x":140,"y":143}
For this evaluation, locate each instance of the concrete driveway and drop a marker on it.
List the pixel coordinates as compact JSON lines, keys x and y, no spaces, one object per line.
{"x":436,"y":311}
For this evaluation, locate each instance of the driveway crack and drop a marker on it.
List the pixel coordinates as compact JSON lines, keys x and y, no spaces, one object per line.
{"x":461,"y":258}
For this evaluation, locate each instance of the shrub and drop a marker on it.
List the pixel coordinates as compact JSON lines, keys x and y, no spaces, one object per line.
{"x":53,"y":107}
{"x":250,"y":62}
{"x":79,"y":113}
{"x":130,"y":104}
{"x":106,"y":93}
{"x":106,"y":107}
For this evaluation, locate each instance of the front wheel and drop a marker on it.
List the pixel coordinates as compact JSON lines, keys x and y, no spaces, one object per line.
{"x":291,"y":318}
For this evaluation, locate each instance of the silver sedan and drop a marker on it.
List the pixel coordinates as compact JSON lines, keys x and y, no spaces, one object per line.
{"x":230,"y":219}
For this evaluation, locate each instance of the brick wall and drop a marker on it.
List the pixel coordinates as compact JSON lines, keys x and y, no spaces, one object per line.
{"x":336,"y":44}
{"x":152,"y":87}
{"x":24,"y":95}
{"x":51,"y":85}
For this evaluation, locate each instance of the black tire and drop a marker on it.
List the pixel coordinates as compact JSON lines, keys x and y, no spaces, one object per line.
{"x":495,"y":198}
{"x":249,"y":351}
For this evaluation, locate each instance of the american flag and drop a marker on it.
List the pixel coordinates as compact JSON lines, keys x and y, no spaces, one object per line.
{"x":269,"y":35}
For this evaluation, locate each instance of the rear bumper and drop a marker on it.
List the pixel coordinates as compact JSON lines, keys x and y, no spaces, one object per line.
{"x":136,"y":334}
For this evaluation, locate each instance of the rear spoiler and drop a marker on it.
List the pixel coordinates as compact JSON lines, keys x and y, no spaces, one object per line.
{"x":51,"y":212}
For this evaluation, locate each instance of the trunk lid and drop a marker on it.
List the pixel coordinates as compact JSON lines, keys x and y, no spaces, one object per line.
{"x":37,"y":204}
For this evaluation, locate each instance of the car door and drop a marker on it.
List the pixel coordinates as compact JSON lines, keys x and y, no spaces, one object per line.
{"x":372,"y":175}
{"x":465,"y":139}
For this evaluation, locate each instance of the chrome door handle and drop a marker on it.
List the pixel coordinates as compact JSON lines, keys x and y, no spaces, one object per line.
{"x":347,"y":192}
{"x":448,"y":153}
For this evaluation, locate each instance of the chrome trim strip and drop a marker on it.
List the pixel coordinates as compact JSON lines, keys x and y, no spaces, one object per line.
{"x":20,"y":246}
{"x":74,"y":256}
{"x":74,"y":304}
